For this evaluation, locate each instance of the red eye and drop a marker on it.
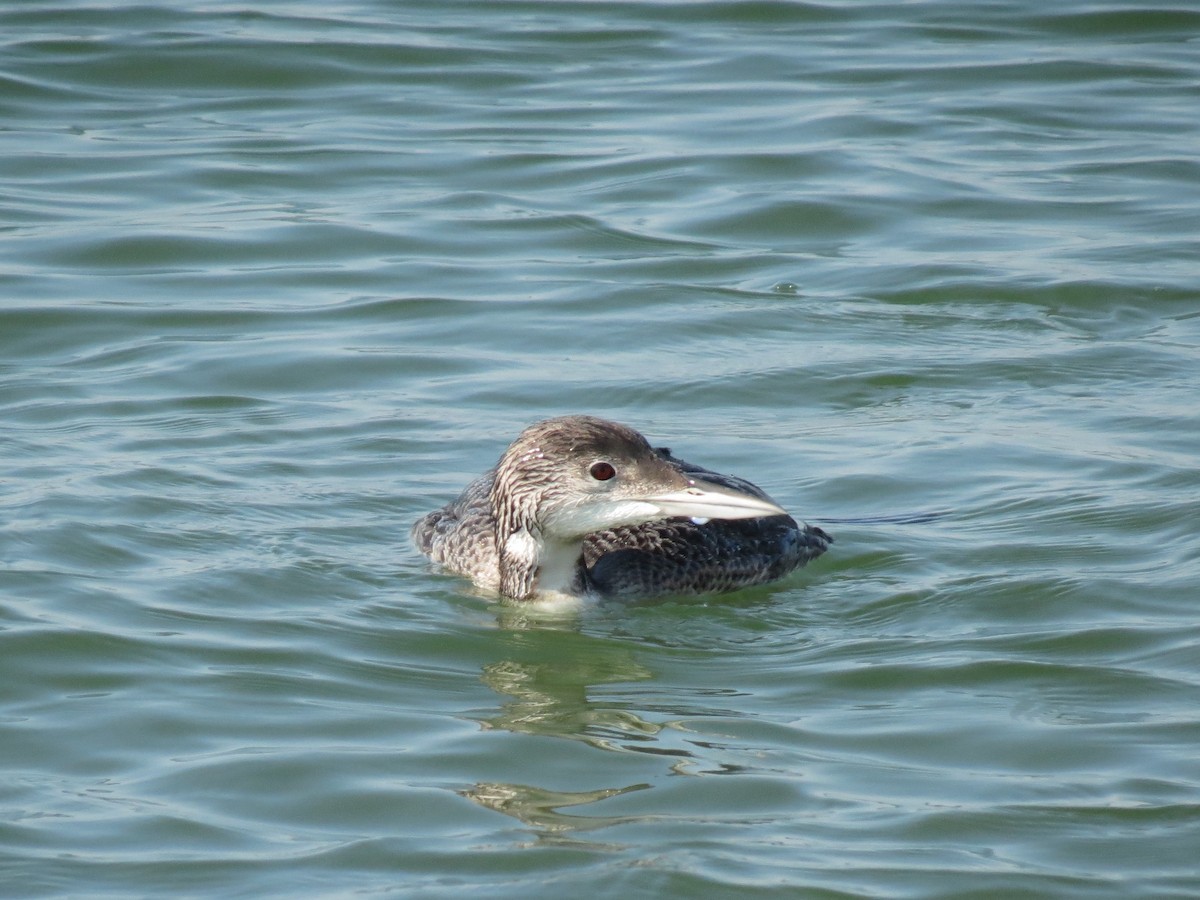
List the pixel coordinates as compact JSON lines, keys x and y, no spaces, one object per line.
{"x":602,"y":471}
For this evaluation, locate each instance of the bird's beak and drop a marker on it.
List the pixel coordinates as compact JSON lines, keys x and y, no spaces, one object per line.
{"x":705,"y":500}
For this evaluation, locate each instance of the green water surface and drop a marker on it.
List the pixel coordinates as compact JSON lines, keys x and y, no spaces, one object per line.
{"x":277,"y":279}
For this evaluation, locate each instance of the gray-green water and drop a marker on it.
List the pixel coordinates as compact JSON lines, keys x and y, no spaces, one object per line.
{"x":276,"y":281}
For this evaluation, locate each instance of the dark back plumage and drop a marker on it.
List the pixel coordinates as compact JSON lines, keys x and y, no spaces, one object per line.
{"x":679,"y":556}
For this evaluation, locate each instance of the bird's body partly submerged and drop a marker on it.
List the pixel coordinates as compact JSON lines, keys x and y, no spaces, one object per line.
{"x":579,"y":506}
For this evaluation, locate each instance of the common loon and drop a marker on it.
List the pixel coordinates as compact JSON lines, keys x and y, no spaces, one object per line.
{"x":581,"y":506}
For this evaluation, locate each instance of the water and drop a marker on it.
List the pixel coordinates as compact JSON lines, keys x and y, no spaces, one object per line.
{"x":276,"y":281}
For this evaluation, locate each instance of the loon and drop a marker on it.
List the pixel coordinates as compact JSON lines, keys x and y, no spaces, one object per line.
{"x":579,"y":506}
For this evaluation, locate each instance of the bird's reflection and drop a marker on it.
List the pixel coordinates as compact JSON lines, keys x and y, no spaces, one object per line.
{"x":552,"y":698}
{"x":542,"y":809}
{"x":550,"y":677}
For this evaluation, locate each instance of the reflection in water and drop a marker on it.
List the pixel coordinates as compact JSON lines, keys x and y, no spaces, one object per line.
{"x":552,"y":698}
{"x":550,"y":677}
{"x":539,"y":807}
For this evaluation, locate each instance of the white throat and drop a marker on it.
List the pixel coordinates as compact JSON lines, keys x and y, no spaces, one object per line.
{"x":558,"y":567}
{"x":555,"y":562}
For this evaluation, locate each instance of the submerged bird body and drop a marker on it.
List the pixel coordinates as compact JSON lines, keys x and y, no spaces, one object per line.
{"x":580,"y":506}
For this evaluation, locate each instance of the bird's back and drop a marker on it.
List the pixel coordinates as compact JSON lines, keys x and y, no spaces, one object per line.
{"x":462,"y":535}
{"x":680,"y":556}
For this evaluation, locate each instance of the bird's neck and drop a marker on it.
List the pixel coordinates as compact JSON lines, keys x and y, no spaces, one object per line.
{"x":533,"y":565}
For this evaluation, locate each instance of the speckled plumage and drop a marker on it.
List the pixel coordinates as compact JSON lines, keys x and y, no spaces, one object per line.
{"x":677,"y":556}
{"x":487,"y":533}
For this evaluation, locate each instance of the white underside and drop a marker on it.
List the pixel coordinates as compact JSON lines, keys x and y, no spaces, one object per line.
{"x":552,"y":604}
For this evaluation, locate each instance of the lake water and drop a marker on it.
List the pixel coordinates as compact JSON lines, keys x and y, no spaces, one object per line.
{"x":276,"y":281}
